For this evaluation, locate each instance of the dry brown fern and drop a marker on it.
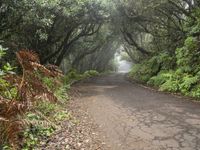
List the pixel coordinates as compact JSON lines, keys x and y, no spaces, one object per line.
{"x":55,"y":70}
{"x":30,"y":89}
{"x":11,"y":125}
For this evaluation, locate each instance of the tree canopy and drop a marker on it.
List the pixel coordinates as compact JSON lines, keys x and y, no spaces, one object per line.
{"x":84,"y":34}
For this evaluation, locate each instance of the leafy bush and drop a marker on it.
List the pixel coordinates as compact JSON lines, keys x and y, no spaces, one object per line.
{"x":177,"y":68}
{"x":188,"y":81}
{"x":172,"y":84}
{"x":166,"y":61}
{"x":90,"y":73}
{"x":163,"y":71}
{"x":188,"y":55}
{"x":73,"y":76}
{"x":151,"y":67}
{"x":195,"y":92}
{"x":140,"y":72}
{"x":143,"y":72}
{"x":159,"y":80}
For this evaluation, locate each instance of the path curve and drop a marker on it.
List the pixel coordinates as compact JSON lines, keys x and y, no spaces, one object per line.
{"x":132,"y":117}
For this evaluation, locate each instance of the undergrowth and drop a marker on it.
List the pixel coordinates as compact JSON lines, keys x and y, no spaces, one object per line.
{"x":179,"y":73}
{"x":33,"y":104}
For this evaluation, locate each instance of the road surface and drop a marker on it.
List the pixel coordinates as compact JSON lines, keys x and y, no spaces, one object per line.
{"x":132,"y":117}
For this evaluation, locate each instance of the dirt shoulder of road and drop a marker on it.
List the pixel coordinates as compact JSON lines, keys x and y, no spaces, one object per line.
{"x":78,"y":133}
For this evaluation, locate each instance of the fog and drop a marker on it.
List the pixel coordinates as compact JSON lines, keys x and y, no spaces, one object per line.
{"x":123,"y":66}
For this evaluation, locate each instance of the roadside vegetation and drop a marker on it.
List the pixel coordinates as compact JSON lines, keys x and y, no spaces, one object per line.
{"x":33,"y":104}
{"x":165,"y":46}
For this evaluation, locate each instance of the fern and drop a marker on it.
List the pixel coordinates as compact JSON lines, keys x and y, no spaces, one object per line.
{"x":11,"y":114}
{"x":160,"y":79}
{"x":195,"y":92}
{"x":27,"y":90}
{"x":172,"y":82}
{"x":187,"y":82}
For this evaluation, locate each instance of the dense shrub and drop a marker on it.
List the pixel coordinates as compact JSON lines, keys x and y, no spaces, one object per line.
{"x":195,"y":92}
{"x":74,"y":76}
{"x":173,"y":74}
{"x":160,"y":79}
{"x":188,"y":56}
{"x":152,"y":67}
{"x":172,"y":83}
{"x":178,"y":70}
{"x":140,"y":72}
{"x":188,"y":81}
{"x":90,"y":73}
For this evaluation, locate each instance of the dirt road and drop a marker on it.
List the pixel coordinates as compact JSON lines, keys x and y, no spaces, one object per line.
{"x":131,"y":117}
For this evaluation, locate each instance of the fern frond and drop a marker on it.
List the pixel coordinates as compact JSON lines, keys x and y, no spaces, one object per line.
{"x":27,"y":56}
{"x":30,"y":89}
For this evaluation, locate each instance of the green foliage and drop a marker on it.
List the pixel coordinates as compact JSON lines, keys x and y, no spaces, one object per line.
{"x":45,"y":30}
{"x":140,"y":72}
{"x":46,"y":108}
{"x":172,"y":84}
{"x":159,"y":80}
{"x":174,"y":81}
{"x":193,"y":27}
{"x":62,"y":115}
{"x":6,"y":89}
{"x":90,"y":73}
{"x":61,"y":93}
{"x":166,"y":61}
{"x":60,"y":89}
{"x":74,"y":76}
{"x":151,"y":67}
{"x":2,"y":52}
{"x":43,"y":125}
{"x":188,"y":81}
{"x":33,"y":135}
{"x":6,"y":67}
{"x":49,"y":82}
{"x":71,"y":77}
{"x":188,"y":55}
{"x":195,"y":92}
{"x":169,"y":75}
